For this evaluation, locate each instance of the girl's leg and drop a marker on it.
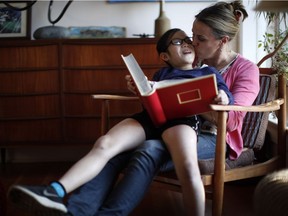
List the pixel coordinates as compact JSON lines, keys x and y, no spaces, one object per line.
{"x":88,"y":198}
{"x":181,"y":141}
{"x":124,"y":136}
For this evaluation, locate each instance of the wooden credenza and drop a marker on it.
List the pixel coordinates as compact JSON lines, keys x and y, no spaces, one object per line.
{"x":46,"y":88}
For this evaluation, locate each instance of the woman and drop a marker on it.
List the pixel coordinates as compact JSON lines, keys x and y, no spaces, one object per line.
{"x":213,"y":30}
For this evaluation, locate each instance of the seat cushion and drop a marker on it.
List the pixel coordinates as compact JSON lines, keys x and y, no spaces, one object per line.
{"x":245,"y":158}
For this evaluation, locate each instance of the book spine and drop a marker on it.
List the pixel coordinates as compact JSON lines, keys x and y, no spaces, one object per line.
{"x":154,"y":108}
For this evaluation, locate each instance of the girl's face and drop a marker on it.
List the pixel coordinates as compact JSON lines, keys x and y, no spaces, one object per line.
{"x":205,"y":44}
{"x":180,"y":53}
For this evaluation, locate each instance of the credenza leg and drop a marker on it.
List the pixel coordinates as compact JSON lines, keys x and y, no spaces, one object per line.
{"x":3,"y":155}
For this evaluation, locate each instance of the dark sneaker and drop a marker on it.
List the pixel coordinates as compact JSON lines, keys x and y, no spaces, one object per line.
{"x":39,"y":200}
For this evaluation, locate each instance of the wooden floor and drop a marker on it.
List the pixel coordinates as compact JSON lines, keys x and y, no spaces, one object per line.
{"x":237,"y":202}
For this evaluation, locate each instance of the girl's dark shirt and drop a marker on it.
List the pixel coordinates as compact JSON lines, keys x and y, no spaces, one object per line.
{"x":168,"y":73}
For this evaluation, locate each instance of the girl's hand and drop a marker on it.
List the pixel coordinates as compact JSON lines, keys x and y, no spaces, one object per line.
{"x":130,"y":84}
{"x":222,"y":98}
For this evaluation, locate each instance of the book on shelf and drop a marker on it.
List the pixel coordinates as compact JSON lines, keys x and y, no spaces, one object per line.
{"x":171,"y":99}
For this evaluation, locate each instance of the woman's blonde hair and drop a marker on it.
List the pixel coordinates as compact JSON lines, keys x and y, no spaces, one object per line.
{"x":223,"y":18}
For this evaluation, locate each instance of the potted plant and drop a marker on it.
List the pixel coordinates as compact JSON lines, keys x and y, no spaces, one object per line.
{"x":277,"y":34}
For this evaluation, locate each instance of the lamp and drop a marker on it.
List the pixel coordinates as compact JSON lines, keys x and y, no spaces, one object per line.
{"x":53,"y":31}
{"x":272,"y":6}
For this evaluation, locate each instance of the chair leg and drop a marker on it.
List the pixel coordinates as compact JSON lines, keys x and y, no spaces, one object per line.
{"x":3,"y":155}
{"x":219,"y":169}
{"x":217,"y":202}
{"x":105,"y":115}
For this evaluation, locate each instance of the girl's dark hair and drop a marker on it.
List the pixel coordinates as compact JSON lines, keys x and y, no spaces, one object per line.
{"x":223,"y":18}
{"x":164,"y":40}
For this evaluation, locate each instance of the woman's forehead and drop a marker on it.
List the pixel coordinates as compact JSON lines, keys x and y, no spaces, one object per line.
{"x":200,"y":28}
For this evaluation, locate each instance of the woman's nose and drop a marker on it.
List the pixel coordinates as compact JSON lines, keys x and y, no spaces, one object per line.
{"x":194,"y":43}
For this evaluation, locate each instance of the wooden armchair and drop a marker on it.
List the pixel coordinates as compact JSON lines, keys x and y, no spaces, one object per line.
{"x":216,"y":172}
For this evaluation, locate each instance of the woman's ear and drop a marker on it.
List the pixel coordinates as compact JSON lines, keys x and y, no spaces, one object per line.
{"x":225,"y":40}
{"x":164,"y":56}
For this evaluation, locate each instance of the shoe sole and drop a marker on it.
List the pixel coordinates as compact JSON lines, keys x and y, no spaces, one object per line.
{"x":34,"y":203}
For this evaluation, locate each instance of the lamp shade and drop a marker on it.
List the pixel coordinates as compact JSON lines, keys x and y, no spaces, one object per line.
{"x":272,"y":6}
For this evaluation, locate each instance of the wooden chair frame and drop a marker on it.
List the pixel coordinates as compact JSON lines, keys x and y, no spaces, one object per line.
{"x":220,"y":175}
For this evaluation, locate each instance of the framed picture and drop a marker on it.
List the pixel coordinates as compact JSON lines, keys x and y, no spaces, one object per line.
{"x":14,"y":23}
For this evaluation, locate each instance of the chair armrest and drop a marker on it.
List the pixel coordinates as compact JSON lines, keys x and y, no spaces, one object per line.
{"x":219,"y":168}
{"x":266,"y":107}
{"x":105,"y":110}
{"x":113,"y":97}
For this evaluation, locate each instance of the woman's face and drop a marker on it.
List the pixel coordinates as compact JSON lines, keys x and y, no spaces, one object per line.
{"x":180,"y":55}
{"x":205,"y":44}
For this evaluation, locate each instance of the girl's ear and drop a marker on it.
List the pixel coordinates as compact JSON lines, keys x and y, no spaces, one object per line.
{"x":164,"y":56}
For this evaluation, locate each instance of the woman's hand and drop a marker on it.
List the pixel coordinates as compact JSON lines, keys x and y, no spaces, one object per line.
{"x":222,"y":98}
{"x":130,"y":84}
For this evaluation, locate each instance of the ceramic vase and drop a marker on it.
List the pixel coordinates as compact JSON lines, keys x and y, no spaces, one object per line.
{"x":162,"y":23}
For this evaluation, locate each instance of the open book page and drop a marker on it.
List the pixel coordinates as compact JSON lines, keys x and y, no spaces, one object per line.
{"x":137,"y":74}
{"x":166,"y":83}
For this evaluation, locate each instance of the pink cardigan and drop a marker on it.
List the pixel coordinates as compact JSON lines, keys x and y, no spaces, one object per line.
{"x":242,"y":79}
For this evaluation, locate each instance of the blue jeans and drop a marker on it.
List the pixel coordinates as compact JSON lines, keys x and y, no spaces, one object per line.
{"x":98,"y":197}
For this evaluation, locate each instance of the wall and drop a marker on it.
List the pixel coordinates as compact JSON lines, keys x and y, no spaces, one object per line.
{"x":138,"y":18}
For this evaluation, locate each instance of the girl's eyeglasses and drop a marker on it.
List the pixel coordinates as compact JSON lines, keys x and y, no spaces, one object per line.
{"x":178,"y":41}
